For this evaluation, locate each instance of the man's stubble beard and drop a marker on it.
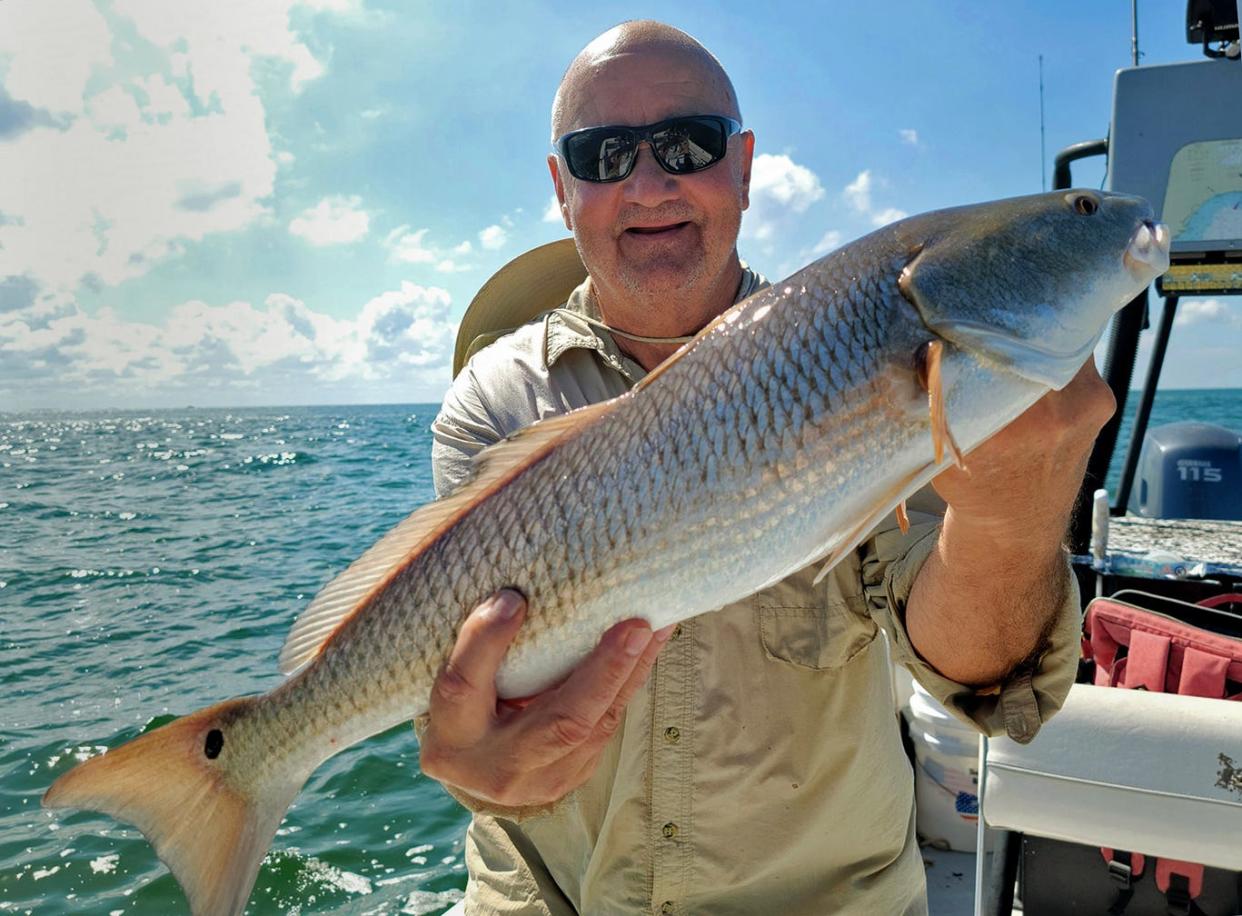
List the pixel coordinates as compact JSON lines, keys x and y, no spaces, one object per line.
{"x":683,"y":281}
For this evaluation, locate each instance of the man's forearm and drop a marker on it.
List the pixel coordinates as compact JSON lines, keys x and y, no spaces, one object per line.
{"x":986,"y":598}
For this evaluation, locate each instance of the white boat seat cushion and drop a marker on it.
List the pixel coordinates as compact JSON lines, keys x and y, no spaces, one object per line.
{"x":1155,"y":773}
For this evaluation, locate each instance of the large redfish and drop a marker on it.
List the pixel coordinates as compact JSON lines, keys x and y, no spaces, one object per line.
{"x":781,"y":435}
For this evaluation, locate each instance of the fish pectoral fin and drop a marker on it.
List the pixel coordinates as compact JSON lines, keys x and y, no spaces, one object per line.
{"x":933,"y":382}
{"x":493,"y":468}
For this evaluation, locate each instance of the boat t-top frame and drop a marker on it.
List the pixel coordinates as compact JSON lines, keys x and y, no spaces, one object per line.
{"x":1175,"y":139}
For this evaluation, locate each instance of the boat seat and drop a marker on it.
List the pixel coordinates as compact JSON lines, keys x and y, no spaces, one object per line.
{"x":1156,"y":773}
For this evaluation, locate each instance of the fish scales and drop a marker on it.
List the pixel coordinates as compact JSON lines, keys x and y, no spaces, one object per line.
{"x":780,"y":435}
{"x":528,"y":516}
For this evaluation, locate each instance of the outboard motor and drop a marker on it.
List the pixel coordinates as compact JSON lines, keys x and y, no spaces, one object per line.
{"x":1190,"y":470}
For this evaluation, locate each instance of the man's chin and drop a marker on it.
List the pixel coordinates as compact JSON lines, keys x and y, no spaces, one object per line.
{"x":661,"y":275}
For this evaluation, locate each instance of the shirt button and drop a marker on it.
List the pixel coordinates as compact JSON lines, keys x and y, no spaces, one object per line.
{"x":669,"y":830}
{"x":672,"y":734}
{"x":676,"y":632}
{"x":668,"y":907}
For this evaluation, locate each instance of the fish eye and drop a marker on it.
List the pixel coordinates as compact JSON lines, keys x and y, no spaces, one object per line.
{"x":1085,"y":204}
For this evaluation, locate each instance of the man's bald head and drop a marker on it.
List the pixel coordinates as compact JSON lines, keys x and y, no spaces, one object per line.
{"x":640,"y":36}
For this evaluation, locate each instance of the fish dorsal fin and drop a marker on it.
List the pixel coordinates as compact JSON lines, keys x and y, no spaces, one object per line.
{"x":492,"y":468}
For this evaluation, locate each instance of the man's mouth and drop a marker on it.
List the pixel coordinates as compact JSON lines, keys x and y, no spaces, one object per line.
{"x":666,"y":230}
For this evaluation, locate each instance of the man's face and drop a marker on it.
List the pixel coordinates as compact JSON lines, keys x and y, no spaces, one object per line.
{"x":653,"y":232}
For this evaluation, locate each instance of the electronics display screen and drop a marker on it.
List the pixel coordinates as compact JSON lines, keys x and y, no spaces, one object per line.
{"x":1203,"y":199}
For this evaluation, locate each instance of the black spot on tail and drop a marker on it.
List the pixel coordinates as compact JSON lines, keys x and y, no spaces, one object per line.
{"x":214,"y":744}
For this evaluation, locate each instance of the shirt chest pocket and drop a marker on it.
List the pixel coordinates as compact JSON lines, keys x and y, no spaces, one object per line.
{"x":813,"y":627}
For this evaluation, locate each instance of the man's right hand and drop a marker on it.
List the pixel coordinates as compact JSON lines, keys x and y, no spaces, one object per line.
{"x":540,"y":751}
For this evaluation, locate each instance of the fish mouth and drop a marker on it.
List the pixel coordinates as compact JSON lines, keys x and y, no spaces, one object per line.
{"x":1147,"y":255}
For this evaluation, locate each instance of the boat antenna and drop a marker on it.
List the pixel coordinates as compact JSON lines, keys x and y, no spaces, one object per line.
{"x":1043,"y":161}
{"x":1134,"y":51}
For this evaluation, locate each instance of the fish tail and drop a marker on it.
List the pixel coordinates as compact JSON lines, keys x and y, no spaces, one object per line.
{"x":209,"y":819}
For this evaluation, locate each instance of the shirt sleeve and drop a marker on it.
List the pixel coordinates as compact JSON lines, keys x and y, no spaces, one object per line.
{"x":1032,"y":692}
{"x":507,"y":874}
{"x":464,"y":427}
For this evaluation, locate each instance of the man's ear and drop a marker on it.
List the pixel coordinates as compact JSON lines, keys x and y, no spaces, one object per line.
{"x":748,"y":155}
{"x":554,"y":166}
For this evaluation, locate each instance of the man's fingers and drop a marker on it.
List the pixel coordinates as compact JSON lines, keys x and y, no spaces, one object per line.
{"x":611,"y":720}
{"x":585,"y":760}
{"x":463,"y":699}
{"x":641,"y":671}
{"x":564,"y":718}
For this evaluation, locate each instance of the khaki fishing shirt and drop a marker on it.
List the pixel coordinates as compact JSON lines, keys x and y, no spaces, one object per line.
{"x":761,"y":768}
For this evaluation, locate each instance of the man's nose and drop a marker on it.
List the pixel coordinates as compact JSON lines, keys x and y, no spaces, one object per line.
{"x":648,"y":184}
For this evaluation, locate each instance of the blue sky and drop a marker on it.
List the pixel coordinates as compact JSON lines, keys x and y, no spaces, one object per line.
{"x":292,"y":201}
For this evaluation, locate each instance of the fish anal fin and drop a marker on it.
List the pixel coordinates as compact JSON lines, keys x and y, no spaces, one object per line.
{"x":211,"y":832}
{"x":493,"y":467}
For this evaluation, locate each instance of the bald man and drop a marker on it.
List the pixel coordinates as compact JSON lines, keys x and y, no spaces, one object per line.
{"x":748,"y":760}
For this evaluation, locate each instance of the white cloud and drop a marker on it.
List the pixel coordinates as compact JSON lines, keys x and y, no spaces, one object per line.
{"x":282,"y":348}
{"x":147,"y":153}
{"x":887,"y":215}
{"x":782,"y":180}
{"x":779,"y":188}
{"x":1197,"y":311}
{"x":552,"y":212}
{"x":493,"y":237}
{"x":407,"y":246}
{"x":858,"y":195}
{"x":220,"y":40}
{"x":114,"y":109}
{"x":412,"y":248}
{"x":858,"y":192}
{"x":830,"y":240}
{"x":333,"y":221}
{"x":909,"y":135}
{"x":164,"y":99}
{"x":53,"y":45}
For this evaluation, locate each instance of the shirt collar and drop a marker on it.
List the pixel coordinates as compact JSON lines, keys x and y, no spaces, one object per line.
{"x":564,"y":330}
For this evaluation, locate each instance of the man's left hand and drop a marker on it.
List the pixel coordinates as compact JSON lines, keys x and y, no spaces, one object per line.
{"x":987,"y":594}
{"x":1022,"y":482}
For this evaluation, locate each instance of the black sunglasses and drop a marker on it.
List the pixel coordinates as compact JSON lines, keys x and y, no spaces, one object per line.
{"x":680,"y":145}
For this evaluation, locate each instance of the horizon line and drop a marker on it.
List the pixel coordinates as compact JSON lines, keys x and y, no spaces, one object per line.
{"x":142,"y":407}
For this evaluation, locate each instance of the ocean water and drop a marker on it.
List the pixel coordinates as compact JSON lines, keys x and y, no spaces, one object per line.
{"x":150,"y":564}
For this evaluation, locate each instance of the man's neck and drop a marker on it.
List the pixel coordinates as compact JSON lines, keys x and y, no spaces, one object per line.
{"x":655,"y":318}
